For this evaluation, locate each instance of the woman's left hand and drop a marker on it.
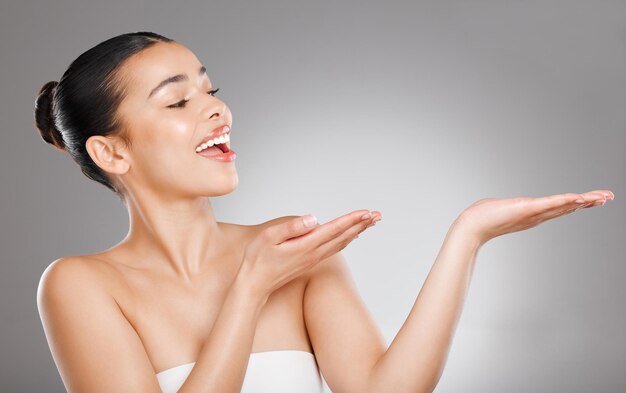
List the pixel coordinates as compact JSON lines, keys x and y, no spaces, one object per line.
{"x":492,"y":217}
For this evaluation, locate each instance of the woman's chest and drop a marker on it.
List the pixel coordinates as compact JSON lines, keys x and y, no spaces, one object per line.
{"x":173,"y":322}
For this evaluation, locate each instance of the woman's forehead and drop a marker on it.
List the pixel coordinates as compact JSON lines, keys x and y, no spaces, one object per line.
{"x":160,"y":62}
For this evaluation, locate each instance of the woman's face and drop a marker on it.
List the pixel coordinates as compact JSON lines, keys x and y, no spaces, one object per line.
{"x":165,"y":130}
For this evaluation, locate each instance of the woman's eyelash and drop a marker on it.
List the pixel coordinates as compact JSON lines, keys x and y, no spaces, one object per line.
{"x":181,"y":104}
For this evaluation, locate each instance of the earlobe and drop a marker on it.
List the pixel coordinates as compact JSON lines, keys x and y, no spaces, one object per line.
{"x":107,"y":154}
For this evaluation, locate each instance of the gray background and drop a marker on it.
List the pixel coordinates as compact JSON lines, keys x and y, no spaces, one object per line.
{"x":416,"y":109}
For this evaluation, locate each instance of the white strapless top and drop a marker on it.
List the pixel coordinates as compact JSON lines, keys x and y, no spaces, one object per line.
{"x":282,"y":371}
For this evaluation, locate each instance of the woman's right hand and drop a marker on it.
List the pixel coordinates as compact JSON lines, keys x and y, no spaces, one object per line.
{"x":282,"y":252}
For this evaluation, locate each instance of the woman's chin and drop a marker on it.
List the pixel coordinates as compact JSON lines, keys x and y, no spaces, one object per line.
{"x":225,"y":186}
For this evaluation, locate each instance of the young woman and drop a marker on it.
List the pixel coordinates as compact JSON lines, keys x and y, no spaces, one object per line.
{"x":186,"y":303}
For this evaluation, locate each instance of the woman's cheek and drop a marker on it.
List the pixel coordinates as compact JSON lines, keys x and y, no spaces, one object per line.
{"x":183,"y":133}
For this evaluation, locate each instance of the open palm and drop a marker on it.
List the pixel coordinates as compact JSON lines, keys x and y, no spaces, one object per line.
{"x":492,"y":217}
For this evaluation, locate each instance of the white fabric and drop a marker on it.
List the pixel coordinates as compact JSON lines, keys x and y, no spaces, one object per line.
{"x":283,"y":371}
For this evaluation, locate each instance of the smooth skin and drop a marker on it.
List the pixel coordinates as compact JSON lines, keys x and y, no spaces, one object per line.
{"x":182,"y":287}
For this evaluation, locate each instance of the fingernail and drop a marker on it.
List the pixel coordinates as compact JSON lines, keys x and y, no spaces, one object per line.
{"x":309,"y":220}
{"x":579,"y":200}
{"x":365,"y":216}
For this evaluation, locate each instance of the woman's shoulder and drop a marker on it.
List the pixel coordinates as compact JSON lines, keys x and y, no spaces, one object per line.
{"x":84,"y":268}
{"x":79,"y":265}
{"x":68,"y":278}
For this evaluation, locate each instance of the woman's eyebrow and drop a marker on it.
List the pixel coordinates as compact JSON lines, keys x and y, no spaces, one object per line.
{"x":173,"y":79}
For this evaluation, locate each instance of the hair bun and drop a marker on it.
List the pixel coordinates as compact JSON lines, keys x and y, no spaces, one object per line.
{"x":44,"y":115}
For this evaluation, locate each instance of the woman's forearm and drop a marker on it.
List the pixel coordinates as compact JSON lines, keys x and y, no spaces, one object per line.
{"x":416,"y":357}
{"x":223,"y":359}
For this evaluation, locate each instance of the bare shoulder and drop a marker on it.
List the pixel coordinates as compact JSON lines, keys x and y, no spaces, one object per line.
{"x":82,"y":320}
{"x":68,"y":272}
{"x":70,"y":280}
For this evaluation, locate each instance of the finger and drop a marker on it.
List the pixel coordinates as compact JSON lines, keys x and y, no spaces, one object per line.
{"x":607,"y":194}
{"x":596,"y":195}
{"x":551,"y":203}
{"x":340,"y":242}
{"x":569,"y":209}
{"x":377,"y":217}
{"x":328,"y":231}
{"x":341,"y":225}
{"x":295,"y":227}
{"x":560,"y":203}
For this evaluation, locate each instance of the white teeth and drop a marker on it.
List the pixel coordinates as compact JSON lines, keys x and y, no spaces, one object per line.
{"x":215,"y":141}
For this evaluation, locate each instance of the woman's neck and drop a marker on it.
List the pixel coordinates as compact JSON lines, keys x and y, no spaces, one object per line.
{"x":178,"y":237}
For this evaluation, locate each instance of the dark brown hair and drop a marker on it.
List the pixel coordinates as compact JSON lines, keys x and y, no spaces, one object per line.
{"x":85,"y":100}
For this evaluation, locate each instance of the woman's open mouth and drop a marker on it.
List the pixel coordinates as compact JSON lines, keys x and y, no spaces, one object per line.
{"x":217,"y":149}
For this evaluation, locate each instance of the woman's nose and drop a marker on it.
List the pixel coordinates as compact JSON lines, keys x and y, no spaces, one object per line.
{"x":215,"y":110}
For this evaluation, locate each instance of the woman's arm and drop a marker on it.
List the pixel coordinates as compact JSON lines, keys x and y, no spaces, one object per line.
{"x":222,"y":363}
{"x":416,"y":357}
{"x":351,"y":350}
{"x":345,"y":338}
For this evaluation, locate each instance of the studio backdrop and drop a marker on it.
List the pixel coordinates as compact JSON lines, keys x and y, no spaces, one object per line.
{"x":413,"y":108}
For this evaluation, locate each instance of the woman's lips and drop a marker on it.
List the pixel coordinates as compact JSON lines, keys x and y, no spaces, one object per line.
{"x":219,"y":131}
{"x":226,"y":155}
{"x":222,"y":157}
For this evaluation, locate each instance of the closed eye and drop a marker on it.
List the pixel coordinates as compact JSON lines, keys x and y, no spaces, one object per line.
{"x":182,"y":103}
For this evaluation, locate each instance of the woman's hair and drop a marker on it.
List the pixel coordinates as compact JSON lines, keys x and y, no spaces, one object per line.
{"x":85,"y":100}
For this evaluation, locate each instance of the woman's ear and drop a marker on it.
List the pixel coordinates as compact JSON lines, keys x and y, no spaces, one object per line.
{"x":109,"y":153}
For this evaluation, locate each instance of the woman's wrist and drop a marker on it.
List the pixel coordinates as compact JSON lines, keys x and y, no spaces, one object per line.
{"x":245,"y":288}
{"x":464,"y":226}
